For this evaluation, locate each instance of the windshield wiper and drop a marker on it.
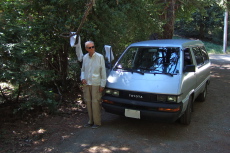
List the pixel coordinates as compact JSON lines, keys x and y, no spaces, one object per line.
{"x":145,"y":68}
{"x":170,"y":74}
{"x":137,"y":71}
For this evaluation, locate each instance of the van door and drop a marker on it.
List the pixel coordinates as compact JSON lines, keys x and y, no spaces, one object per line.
{"x":188,"y":77}
{"x":202,"y":70}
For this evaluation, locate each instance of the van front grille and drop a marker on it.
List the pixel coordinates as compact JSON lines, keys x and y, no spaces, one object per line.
{"x":138,"y":96}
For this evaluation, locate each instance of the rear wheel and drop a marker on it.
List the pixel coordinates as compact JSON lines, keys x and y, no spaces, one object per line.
{"x":202,"y":96}
{"x":186,"y":117}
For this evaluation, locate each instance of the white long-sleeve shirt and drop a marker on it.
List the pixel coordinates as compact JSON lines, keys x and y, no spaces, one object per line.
{"x":93,"y":70}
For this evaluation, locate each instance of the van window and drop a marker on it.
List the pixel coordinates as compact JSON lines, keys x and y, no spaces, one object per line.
{"x":198,"y":56}
{"x":150,"y":60}
{"x":204,"y":54}
{"x":187,"y":57}
{"x":201,"y":55}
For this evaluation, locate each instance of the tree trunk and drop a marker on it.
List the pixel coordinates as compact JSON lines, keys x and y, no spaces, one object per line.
{"x":169,"y":18}
{"x":59,"y":63}
{"x":63,"y":65}
{"x":202,"y":29}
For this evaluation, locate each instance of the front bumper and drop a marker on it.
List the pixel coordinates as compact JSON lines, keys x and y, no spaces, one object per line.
{"x":148,"y":110}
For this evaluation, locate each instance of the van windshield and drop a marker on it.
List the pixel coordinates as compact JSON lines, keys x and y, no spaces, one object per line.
{"x":156,"y":60}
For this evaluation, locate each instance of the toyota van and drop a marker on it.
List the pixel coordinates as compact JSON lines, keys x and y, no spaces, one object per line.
{"x":158,"y":79}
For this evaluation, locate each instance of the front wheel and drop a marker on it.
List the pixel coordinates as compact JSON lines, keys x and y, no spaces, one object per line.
{"x":186,"y":117}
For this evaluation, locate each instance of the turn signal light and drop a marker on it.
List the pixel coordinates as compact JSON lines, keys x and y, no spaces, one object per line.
{"x":169,"y":109}
{"x":108,"y":101}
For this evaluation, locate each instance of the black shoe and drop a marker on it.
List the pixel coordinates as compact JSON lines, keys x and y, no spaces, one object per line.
{"x":95,"y":126}
{"x":87,"y":125}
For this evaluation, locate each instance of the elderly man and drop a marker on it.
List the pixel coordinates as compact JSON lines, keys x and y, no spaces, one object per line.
{"x":93,"y":77}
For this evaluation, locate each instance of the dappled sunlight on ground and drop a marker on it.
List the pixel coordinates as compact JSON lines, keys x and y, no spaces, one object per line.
{"x":103,"y":148}
{"x":220,"y":65}
{"x":225,"y":57}
{"x":29,"y":134}
{"x":220,"y":80}
{"x":106,"y":149}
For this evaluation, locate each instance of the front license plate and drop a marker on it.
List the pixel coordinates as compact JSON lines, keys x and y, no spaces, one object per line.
{"x":132,"y":113}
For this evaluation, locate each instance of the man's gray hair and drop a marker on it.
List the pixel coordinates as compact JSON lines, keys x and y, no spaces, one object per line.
{"x":88,"y":42}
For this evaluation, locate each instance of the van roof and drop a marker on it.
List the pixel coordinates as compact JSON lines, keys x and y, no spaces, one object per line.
{"x":169,"y":43}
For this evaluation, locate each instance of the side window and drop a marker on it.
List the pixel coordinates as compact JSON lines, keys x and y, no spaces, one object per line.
{"x":204,"y":54}
{"x":198,"y":56}
{"x":187,"y":57}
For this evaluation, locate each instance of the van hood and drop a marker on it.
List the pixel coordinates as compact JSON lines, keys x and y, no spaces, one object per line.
{"x":154,"y":83}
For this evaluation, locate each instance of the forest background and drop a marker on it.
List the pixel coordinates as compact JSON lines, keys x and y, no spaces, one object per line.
{"x":38,"y":67}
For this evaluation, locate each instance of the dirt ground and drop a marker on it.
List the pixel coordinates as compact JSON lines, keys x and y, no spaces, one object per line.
{"x":209,"y":131}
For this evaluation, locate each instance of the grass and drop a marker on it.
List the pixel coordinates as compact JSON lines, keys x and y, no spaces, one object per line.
{"x":215,"y":48}
{"x":210,"y":47}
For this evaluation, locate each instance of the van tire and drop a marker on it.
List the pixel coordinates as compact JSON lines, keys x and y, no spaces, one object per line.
{"x":186,"y":117}
{"x":202,"y":96}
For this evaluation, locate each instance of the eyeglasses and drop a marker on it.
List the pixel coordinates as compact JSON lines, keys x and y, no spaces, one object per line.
{"x":90,"y":47}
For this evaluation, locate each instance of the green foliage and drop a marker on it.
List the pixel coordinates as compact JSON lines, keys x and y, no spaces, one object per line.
{"x":22,"y":60}
{"x":215,"y":48}
{"x":212,"y":48}
{"x":44,"y":101}
{"x":206,"y":24}
{"x":185,"y":8}
{"x":119,"y":24}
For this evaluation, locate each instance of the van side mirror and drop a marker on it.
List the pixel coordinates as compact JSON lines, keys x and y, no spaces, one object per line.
{"x":190,"y":68}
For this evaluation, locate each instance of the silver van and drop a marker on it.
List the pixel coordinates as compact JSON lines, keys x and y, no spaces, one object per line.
{"x":158,"y":79}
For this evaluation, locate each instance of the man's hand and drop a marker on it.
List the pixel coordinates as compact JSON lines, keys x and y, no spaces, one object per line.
{"x":84,"y":81}
{"x":101,"y":89}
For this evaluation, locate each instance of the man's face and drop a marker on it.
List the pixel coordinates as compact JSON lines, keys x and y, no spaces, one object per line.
{"x":90,"y":47}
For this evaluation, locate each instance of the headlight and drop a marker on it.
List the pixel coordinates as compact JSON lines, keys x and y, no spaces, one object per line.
{"x":115,"y":93}
{"x":166,"y":98}
{"x":172,"y":98}
{"x":108,"y":91}
{"x":112,"y":92}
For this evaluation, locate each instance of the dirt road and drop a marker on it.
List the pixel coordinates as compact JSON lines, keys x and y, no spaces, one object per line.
{"x":209,"y":131}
